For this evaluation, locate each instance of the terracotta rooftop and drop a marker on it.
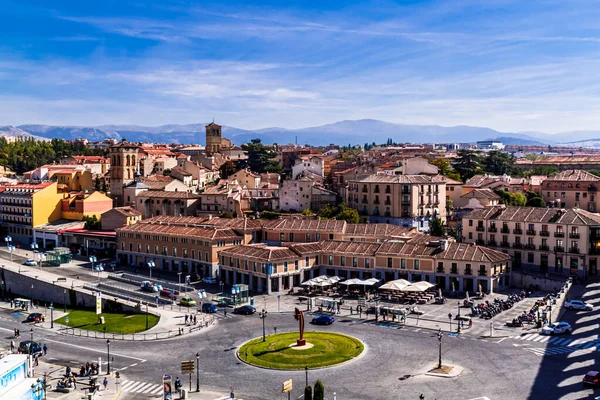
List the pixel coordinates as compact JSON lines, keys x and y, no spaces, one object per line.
{"x":481,"y":194}
{"x":305,"y":225}
{"x":127,"y":211}
{"x":377,"y":230}
{"x":574,"y":175}
{"x":347,"y":247}
{"x":260,"y":253}
{"x":240,"y":224}
{"x":161,"y":194}
{"x":181,"y":171}
{"x":179,"y":230}
{"x":384,"y":178}
{"x":575,"y":216}
{"x":579,"y":159}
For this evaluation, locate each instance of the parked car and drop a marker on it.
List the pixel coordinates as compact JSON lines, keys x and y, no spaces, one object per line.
{"x":245,"y":310}
{"x":30,"y":262}
{"x":34,"y":317}
{"x":323,"y":319}
{"x":24,"y":348}
{"x":578,"y":305}
{"x":209,"y":308}
{"x":557,"y":328}
{"x":148,"y":286}
{"x":187,"y":301}
{"x":169,"y":294}
{"x":591,"y":378}
{"x":209,"y":280}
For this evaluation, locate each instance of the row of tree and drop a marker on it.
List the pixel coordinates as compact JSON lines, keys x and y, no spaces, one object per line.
{"x":27,"y":154}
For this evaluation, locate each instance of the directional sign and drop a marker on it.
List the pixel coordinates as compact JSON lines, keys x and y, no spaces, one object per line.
{"x":287,"y":386}
{"x":67,"y":320}
{"x":187,"y":367}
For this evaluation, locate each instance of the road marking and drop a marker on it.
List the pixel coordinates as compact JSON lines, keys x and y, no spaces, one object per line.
{"x":545,"y":339}
{"x":501,"y":340}
{"x":94,"y":350}
{"x":133,"y":365}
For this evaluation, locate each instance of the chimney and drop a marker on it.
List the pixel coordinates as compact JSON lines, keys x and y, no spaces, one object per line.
{"x":443,"y":244}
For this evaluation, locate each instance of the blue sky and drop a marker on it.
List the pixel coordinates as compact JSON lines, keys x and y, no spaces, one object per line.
{"x":508,"y":65}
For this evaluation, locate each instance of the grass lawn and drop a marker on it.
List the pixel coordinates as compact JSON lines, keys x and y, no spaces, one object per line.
{"x":328,"y":349}
{"x":114,"y":322}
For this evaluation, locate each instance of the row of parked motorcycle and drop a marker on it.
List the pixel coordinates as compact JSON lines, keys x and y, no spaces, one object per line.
{"x":531,"y":316}
{"x":490,"y":309}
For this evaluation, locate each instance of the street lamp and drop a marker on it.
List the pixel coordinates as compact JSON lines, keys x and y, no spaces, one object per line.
{"x":439,"y":336}
{"x":108,"y":356}
{"x":65,"y":300}
{"x":458,"y":319}
{"x":197,"y":372}
{"x":306,"y":371}
{"x":179,"y":279}
{"x":263,"y":316}
{"x":146,"y":315}
{"x":150,"y":266}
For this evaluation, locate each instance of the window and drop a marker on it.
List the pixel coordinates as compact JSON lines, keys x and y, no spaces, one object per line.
{"x":343,"y":261}
{"x":281,"y":237}
{"x":402,"y":263}
{"x":147,"y":249}
{"x":417,"y":265}
{"x":174,"y":251}
{"x":354,"y":262}
{"x":389,"y":262}
{"x":237,"y":262}
{"x":440,"y":267}
{"x":330,"y":260}
{"x":285,"y":266}
{"x":367,"y":263}
{"x":331,"y":236}
{"x":454,"y":268}
{"x":470,"y":235}
{"x":296,"y":265}
{"x":530,"y":258}
{"x":318,"y":237}
{"x":468,"y":269}
{"x":185,"y":253}
{"x":291,"y":236}
{"x":308,"y":237}
{"x":306,"y":262}
{"x":470,"y":222}
{"x":254,"y":266}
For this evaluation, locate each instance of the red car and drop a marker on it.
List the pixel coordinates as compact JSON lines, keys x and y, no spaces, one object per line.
{"x":591,"y":378}
{"x":168,"y":293}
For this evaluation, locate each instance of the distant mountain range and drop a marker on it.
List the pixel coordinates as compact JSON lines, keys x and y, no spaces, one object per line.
{"x":342,"y":133}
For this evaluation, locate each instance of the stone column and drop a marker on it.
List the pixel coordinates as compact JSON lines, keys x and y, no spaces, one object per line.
{"x":279,"y":283}
{"x":235,"y":277}
{"x":269,"y":289}
{"x":250,"y":281}
{"x":460,"y":284}
{"x":290,"y":281}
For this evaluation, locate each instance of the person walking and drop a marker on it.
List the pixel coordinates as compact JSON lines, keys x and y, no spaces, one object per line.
{"x":186,"y":318}
{"x":470,"y":323}
{"x":45,"y":348}
{"x":105,"y":383}
{"x":12,"y":346}
{"x":225,"y":312}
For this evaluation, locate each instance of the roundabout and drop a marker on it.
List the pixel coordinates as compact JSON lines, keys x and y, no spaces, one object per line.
{"x":280,"y":351}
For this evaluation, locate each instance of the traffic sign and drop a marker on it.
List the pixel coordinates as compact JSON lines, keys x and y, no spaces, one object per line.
{"x":287,"y":386}
{"x":67,"y":320}
{"x":187,"y":367}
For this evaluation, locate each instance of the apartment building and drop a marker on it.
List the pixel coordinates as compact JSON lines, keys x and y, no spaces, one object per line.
{"x":545,"y":239}
{"x":304,"y":194}
{"x":406,"y":200}
{"x":181,"y":244}
{"x":452,"y":266}
{"x":24,"y":206}
{"x":119,"y":217}
{"x":572,"y":188}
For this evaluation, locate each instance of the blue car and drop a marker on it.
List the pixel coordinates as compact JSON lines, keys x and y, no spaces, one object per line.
{"x":323,"y":320}
{"x":209,"y":308}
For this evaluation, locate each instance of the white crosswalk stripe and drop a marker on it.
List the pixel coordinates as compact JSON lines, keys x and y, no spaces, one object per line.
{"x":141,"y":387}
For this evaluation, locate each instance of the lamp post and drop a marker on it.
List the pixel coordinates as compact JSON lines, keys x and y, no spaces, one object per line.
{"x":146,"y":315}
{"x":108,"y":356}
{"x":151,"y":265}
{"x":197,"y":372}
{"x":51,"y":315}
{"x":179,"y":280}
{"x":30,"y":346}
{"x":439,"y":336}
{"x":306,"y":372}
{"x":458,"y":319}
{"x":65,"y":300}
{"x":263,"y":316}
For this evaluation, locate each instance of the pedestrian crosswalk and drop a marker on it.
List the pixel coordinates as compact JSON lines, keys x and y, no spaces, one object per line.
{"x":142,"y":387}
{"x":557,"y":345}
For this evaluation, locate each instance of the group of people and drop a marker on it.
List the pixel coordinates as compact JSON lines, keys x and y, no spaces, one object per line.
{"x":191,"y":319}
{"x":88,"y":369}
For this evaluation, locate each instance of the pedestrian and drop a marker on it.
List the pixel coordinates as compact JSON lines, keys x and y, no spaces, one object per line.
{"x":12,"y":346}
{"x":470,"y":323}
{"x":225,"y":312}
{"x":37,"y":359}
{"x":18,"y":333}
{"x":462,"y":323}
{"x":45,"y":348}
{"x":186,"y":318}
{"x":74,"y":381}
{"x":105,"y":383}
{"x":12,"y":303}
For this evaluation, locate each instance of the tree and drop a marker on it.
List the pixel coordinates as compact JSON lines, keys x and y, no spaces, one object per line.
{"x":227,"y":169}
{"x":328,"y":212}
{"x":269,"y":215}
{"x":437,"y":227}
{"x":445,"y":168}
{"x":350,"y":215}
{"x":97,"y":183}
{"x":260,"y":158}
{"x":92,"y":223}
{"x":167,"y":172}
{"x":308,"y":393}
{"x":319,"y":393}
{"x":518,"y":199}
{"x":498,"y":163}
{"x":536,"y":202}
{"x":468,"y":163}
{"x":307,"y":212}
{"x":225,"y":214}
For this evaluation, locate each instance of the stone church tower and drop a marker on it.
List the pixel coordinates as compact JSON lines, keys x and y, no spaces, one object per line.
{"x":123,"y":167}
{"x":213,"y":139}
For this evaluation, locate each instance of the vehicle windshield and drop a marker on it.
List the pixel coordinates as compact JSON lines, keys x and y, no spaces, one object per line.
{"x":552,"y":326}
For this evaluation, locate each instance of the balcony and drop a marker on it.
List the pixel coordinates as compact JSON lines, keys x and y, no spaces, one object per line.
{"x":365,"y":201}
{"x":387,"y":214}
{"x":517,"y":246}
{"x":592,"y":188}
{"x":492,"y":229}
{"x":544,"y":247}
{"x":387,"y":202}
{"x":482,"y":272}
{"x":405,"y":192}
{"x":531,"y":232}
{"x":440,"y":270}
{"x":454,"y":271}
{"x":573,"y":235}
{"x":504,"y":244}
{"x":529,"y":246}
{"x":480,"y":228}
{"x":492,"y":243}
{"x":574,"y":250}
{"x":468,"y":271}
{"x":365,"y":190}
{"x":544,"y":233}
{"x":559,"y":249}
{"x":559,"y":234}
{"x":406,"y":202}
{"x":376,"y":190}
{"x":480,"y":242}
{"x":376,"y":201}
{"x":387,"y":190}
{"x":518,"y":231}
{"x":505,"y":230}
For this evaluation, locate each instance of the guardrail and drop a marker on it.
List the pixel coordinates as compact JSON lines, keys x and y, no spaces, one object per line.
{"x":126,"y":294}
{"x":205,"y":322}
{"x":136,"y":279}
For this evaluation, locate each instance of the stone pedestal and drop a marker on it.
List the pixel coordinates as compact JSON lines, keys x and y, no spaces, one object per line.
{"x":300,"y":342}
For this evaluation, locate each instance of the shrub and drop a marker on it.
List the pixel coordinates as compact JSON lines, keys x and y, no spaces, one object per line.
{"x":319,"y":391}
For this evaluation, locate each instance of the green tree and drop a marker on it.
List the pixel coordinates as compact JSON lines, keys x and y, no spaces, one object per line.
{"x":468,"y":163}
{"x":307,"y":212}
{"x":92,"y":223}
{"x":227,"y":169}
{"x":308,"y":393}
{"x":437,"y":227}
{"x":225,"y":214}
{"x":167,"y":172}
{"x":328,"y":212}
{"x":260,"y":158}
{"x":518,"y":199}
{"x":97,"y":184}
{"x":498,"y":163}
{"x":319,"y":393}
{"x":350,"y":215}
{"x":269,"y":215}
{"x":536,"y":202}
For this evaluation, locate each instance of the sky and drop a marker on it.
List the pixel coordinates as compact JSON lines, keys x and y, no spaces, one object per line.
{"x":508,"y":65}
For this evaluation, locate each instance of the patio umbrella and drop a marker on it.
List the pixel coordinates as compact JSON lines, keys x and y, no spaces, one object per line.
{"x":395,"y":285}
{"x":371,"y":281}
{"x":308,"y":283}
{"x":468,"y":296}
{"x":335,"y":279}
{"x":352,"y":281}
{"x":440,"y":293}
{"x":414,"y":288}
{"x":424,"y":284}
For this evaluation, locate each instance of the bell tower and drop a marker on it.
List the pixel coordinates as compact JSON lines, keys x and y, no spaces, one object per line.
{"x":123,"y":167}
{"x":213,"y":139}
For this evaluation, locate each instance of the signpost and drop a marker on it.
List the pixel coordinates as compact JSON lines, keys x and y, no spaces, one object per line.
{"x":98,"y":303}
{"x":187,"y":367}
{"x":287,"y":388}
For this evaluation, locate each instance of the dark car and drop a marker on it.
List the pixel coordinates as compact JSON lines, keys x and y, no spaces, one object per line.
{"x":24,"y":348}
{"x":209,"y":308}
{"x":246,"y":310}
{"x":323,"y":320}
{"x":168,"y":293}
{"x":34,"y":317}
{"x":591,"y":378}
